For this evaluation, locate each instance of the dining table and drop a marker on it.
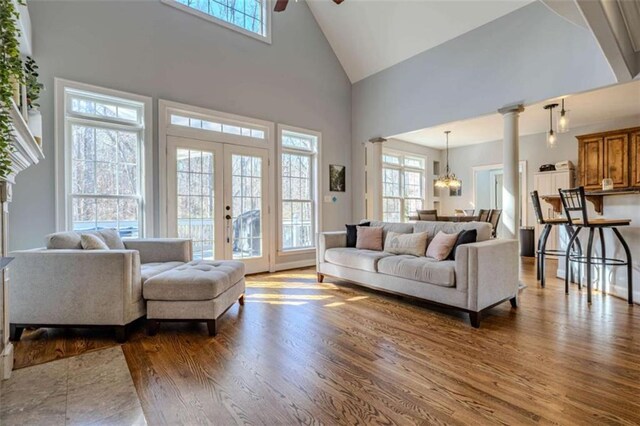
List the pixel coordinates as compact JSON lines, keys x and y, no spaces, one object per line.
{"x":458,"y":218}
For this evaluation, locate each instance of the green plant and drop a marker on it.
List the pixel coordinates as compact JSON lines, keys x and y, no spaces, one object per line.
{"x":10,"y":71}
{"x":31,"y":80}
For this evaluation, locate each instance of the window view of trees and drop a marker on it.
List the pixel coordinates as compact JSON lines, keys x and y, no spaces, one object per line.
{"x":297,"y":165}
{"x":402,"y":186}
{"x":246,"y":14}
{"x":105,"y":166}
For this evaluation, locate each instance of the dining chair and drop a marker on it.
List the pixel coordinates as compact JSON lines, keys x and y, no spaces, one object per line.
{"x":430,"y":215}
{"x":494,"y":220}
{"x":483,"y":215}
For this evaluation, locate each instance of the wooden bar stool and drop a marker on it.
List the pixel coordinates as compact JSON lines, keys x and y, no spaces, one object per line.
{"x":542,"y":251}
{"x":573,"y":200}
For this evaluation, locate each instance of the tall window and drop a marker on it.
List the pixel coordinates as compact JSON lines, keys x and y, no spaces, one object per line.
{"x":298,"y":190}
{"x":104,"y":156}
{"x":246,"y":16}
{"x":402,"y":186}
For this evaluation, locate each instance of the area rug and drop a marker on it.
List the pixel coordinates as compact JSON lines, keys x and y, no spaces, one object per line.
{"x":95,"y":388}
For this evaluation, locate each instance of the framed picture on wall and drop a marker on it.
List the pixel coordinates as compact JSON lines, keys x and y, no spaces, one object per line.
{"x":337,"y":180}
{"x":456,"y":192}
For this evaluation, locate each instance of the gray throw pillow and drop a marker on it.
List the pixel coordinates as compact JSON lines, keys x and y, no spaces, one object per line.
{"x":63,"y":241}
{"x":111,"y":238}
{"x":413,"y":244}
{"x":92,"y":242}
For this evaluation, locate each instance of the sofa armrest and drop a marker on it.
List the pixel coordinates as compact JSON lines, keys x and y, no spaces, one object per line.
{"x":488,"y":271}
{"x":83,"y":287}
{"x":327,"y":240}
{"x":161,"y":249}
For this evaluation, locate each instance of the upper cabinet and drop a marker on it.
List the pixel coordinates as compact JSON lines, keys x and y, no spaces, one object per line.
{"x":635,"y":159}
{"x":614,"y":154}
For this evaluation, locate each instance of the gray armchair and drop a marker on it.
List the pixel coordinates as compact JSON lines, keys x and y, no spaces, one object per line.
{"x":87,"y":288}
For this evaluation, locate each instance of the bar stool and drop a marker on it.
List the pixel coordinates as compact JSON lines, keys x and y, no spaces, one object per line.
{"x":542,"y":251}
{"x":573,"y":200}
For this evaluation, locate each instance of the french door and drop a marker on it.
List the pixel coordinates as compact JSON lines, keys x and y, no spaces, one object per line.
{"x":217,"y":197}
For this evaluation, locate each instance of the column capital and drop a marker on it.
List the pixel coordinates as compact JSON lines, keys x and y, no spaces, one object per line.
{"x":511,"y":108}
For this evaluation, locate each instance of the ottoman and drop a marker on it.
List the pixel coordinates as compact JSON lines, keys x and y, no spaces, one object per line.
{"x":201,"y":290}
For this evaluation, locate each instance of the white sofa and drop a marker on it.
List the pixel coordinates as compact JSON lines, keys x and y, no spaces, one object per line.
{"x":483,"y":274}
{"x":85,"y":288}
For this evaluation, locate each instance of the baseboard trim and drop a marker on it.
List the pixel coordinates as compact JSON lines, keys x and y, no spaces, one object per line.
{"x":6,"y":361}
{"x":294,"y":265}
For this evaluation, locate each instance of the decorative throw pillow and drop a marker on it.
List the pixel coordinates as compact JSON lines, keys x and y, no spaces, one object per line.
{"x":441,"y":245}
{"x":413,"y":244}
{"x":369,"y":238}
{"x":110,"y":237}
{"x":352,"y":233}
{"x":92,"y":242}
{"x":464,"y":237}
{"x":63,"y":241}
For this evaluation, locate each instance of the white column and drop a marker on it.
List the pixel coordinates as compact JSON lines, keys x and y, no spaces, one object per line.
{"x":373,"y":180}
{"x":511,"y":173}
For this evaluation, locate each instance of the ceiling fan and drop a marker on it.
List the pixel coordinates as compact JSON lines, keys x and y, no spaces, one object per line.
{"x":282,"y":4}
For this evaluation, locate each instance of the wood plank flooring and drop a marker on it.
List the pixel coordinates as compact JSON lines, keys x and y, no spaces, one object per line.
{"x":300,"y":352}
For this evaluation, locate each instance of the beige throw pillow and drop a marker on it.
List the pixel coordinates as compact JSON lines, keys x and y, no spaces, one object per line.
{"x":413,"y":244}
{"x":369,"y":238}
{"x":92,"y":242}
{"x":441,"y":245}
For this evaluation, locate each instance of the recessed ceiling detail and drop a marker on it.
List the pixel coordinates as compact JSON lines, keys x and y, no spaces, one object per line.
{"x":369,"y":36}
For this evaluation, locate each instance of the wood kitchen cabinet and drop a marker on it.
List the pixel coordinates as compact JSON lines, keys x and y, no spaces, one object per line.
{"x":614,"y":154}
{"x":635,"y":159}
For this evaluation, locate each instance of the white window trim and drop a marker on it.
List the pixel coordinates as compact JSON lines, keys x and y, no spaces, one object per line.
{"x":165,"y":129}
{"x":267,"y":17}
{"x":402,"y":167}
{"x":63,"y":173}
{"x":317,"y":189}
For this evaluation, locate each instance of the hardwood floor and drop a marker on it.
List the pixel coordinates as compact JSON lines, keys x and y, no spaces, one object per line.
{"x":303,"y":352}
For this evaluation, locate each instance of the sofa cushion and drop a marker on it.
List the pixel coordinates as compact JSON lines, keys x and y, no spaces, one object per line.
{"x":63,"y":241}
{"x":366,"y":260}
{"x":432,"y":228}
{"x":420,"y":269}
{"x":111,"y":237}
{"x":197,"y":280}
{"x":400,"y":228}
{"x":464,"y":237}
{"x":414,"y":244}
{"x":148,"y":270}
{"x":92,"y":242}
{"x":441,"y":245}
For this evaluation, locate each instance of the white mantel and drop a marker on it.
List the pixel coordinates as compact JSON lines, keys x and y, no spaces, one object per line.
{"x":26,"y":153}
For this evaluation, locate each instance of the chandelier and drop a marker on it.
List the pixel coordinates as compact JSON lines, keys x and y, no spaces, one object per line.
{"x":448,"y":180}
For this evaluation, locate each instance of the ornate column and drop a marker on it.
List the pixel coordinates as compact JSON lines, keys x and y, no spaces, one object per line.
{"x":511,"y":171}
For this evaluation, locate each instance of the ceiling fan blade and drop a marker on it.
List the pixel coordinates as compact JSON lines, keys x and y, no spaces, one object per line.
{"x":338,"y":1}
{"x":281,"y":5}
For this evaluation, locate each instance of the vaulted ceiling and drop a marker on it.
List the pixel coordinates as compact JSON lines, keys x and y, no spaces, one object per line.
{"x":369,"y":36}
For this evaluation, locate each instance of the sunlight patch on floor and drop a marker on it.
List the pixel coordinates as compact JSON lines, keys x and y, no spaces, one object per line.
{"x":290,"y":285}
{"x":276,"y":302}
{"x":288,"y":296}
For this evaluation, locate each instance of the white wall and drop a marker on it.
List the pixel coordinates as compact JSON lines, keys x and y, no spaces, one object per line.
{"x":152,"y":49}
{"x":526,"y":56}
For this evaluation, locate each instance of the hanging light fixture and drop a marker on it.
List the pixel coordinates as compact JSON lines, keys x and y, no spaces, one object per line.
{"x":551,"y":136}
{"x":448,"y":180}
{"x":563,"y":120}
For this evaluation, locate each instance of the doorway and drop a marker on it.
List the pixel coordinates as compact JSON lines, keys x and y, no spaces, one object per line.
{"x":217,"y":196}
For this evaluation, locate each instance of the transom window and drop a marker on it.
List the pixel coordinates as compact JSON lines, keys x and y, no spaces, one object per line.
{"x":104,"y":139}
{"x":246,"y":16}
{"x":212,"y":126}
{"x":402,"y":186}
{"x":298,"y":170}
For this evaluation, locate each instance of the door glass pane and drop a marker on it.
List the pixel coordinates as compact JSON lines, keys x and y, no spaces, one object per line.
{"x":246,"y":204}
{"x":195,"y":203}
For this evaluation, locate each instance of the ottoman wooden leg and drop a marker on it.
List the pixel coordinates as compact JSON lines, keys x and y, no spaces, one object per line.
{"x":320,"y":277}
{"x":212,"y":326}
{"x":152,"y":327}
{"x":241,"y":300}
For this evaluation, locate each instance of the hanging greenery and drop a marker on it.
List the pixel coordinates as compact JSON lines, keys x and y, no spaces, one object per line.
{"x":34,"y":87}
{"x":10,"y":72}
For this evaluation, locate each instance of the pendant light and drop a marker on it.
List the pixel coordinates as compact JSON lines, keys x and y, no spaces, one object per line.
{"x":563,"y":120}
{"x":551,"y":136}
{"x":448,"y":180}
